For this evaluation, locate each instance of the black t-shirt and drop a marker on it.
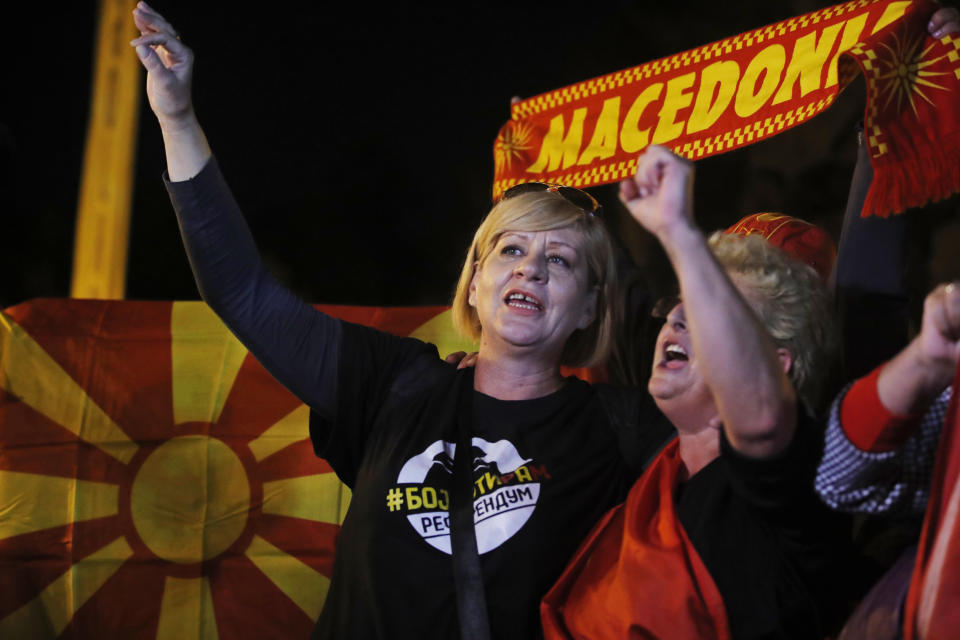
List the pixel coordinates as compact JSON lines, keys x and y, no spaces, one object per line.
{"x":545,"y":470}
{"x":781,"y":559}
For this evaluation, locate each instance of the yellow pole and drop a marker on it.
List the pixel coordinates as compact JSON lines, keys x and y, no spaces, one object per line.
{"x":103,"y":210}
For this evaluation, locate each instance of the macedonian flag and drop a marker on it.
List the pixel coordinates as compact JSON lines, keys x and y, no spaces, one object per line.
{"x":155,"y":481}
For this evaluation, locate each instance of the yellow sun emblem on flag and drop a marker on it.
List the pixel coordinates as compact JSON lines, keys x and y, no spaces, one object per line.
{"x":905,"y":72}
{"x":159,"y":485}
{"x":512,"y":141}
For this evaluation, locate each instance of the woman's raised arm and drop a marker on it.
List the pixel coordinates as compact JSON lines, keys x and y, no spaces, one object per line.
{"x":296,"y":343}
{"x":735,"y":355}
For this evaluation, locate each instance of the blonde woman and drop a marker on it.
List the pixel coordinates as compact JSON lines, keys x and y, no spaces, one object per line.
{"x":547,"y":455}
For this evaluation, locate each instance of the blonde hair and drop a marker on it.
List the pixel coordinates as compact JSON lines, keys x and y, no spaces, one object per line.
{"x":542,"y":211}
{"x":791,"y":301}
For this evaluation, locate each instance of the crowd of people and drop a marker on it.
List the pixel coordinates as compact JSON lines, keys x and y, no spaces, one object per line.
{"x":504,"y":500}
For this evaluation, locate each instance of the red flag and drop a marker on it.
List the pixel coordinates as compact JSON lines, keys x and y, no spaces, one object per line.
{"x":931,"y":610}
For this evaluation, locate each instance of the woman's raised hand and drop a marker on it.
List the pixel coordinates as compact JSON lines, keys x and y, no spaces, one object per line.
{"x":169,"y":64}
{"x":940,"y":331}
{"x":915,"y":376}
{"x":660,"y":195}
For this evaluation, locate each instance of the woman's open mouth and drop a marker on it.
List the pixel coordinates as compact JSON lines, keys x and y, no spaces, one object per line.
{"x":674,"y":356}
{"x":523,"y":301}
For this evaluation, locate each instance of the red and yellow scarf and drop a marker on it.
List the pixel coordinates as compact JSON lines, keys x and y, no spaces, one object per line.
{"x":740,"y":90}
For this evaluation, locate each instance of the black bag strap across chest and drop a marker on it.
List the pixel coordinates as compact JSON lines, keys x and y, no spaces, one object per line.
{"x":467,"y":574}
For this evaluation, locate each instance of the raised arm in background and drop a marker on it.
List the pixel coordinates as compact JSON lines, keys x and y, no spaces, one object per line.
{"x":296,"y":343}
{"x":883,"y":432}
{"x":870,"y":282}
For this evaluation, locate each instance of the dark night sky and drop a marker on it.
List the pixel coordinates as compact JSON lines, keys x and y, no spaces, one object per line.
{"x":359,"y":140}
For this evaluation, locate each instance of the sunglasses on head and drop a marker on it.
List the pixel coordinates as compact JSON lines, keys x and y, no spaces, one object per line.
{"x":574,"y":196}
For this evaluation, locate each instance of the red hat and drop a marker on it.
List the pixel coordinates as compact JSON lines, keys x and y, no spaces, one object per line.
{"x":801,"y":240}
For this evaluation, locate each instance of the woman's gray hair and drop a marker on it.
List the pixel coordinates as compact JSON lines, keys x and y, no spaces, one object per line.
{"x":791,"y":302}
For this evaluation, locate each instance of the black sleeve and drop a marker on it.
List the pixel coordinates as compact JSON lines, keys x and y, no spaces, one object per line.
{"x":778,"y":485}
{"x":296,"y":343}
{"x":815,"y":540}
{"x":870,"y":280}
{"x":376,"y":373}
